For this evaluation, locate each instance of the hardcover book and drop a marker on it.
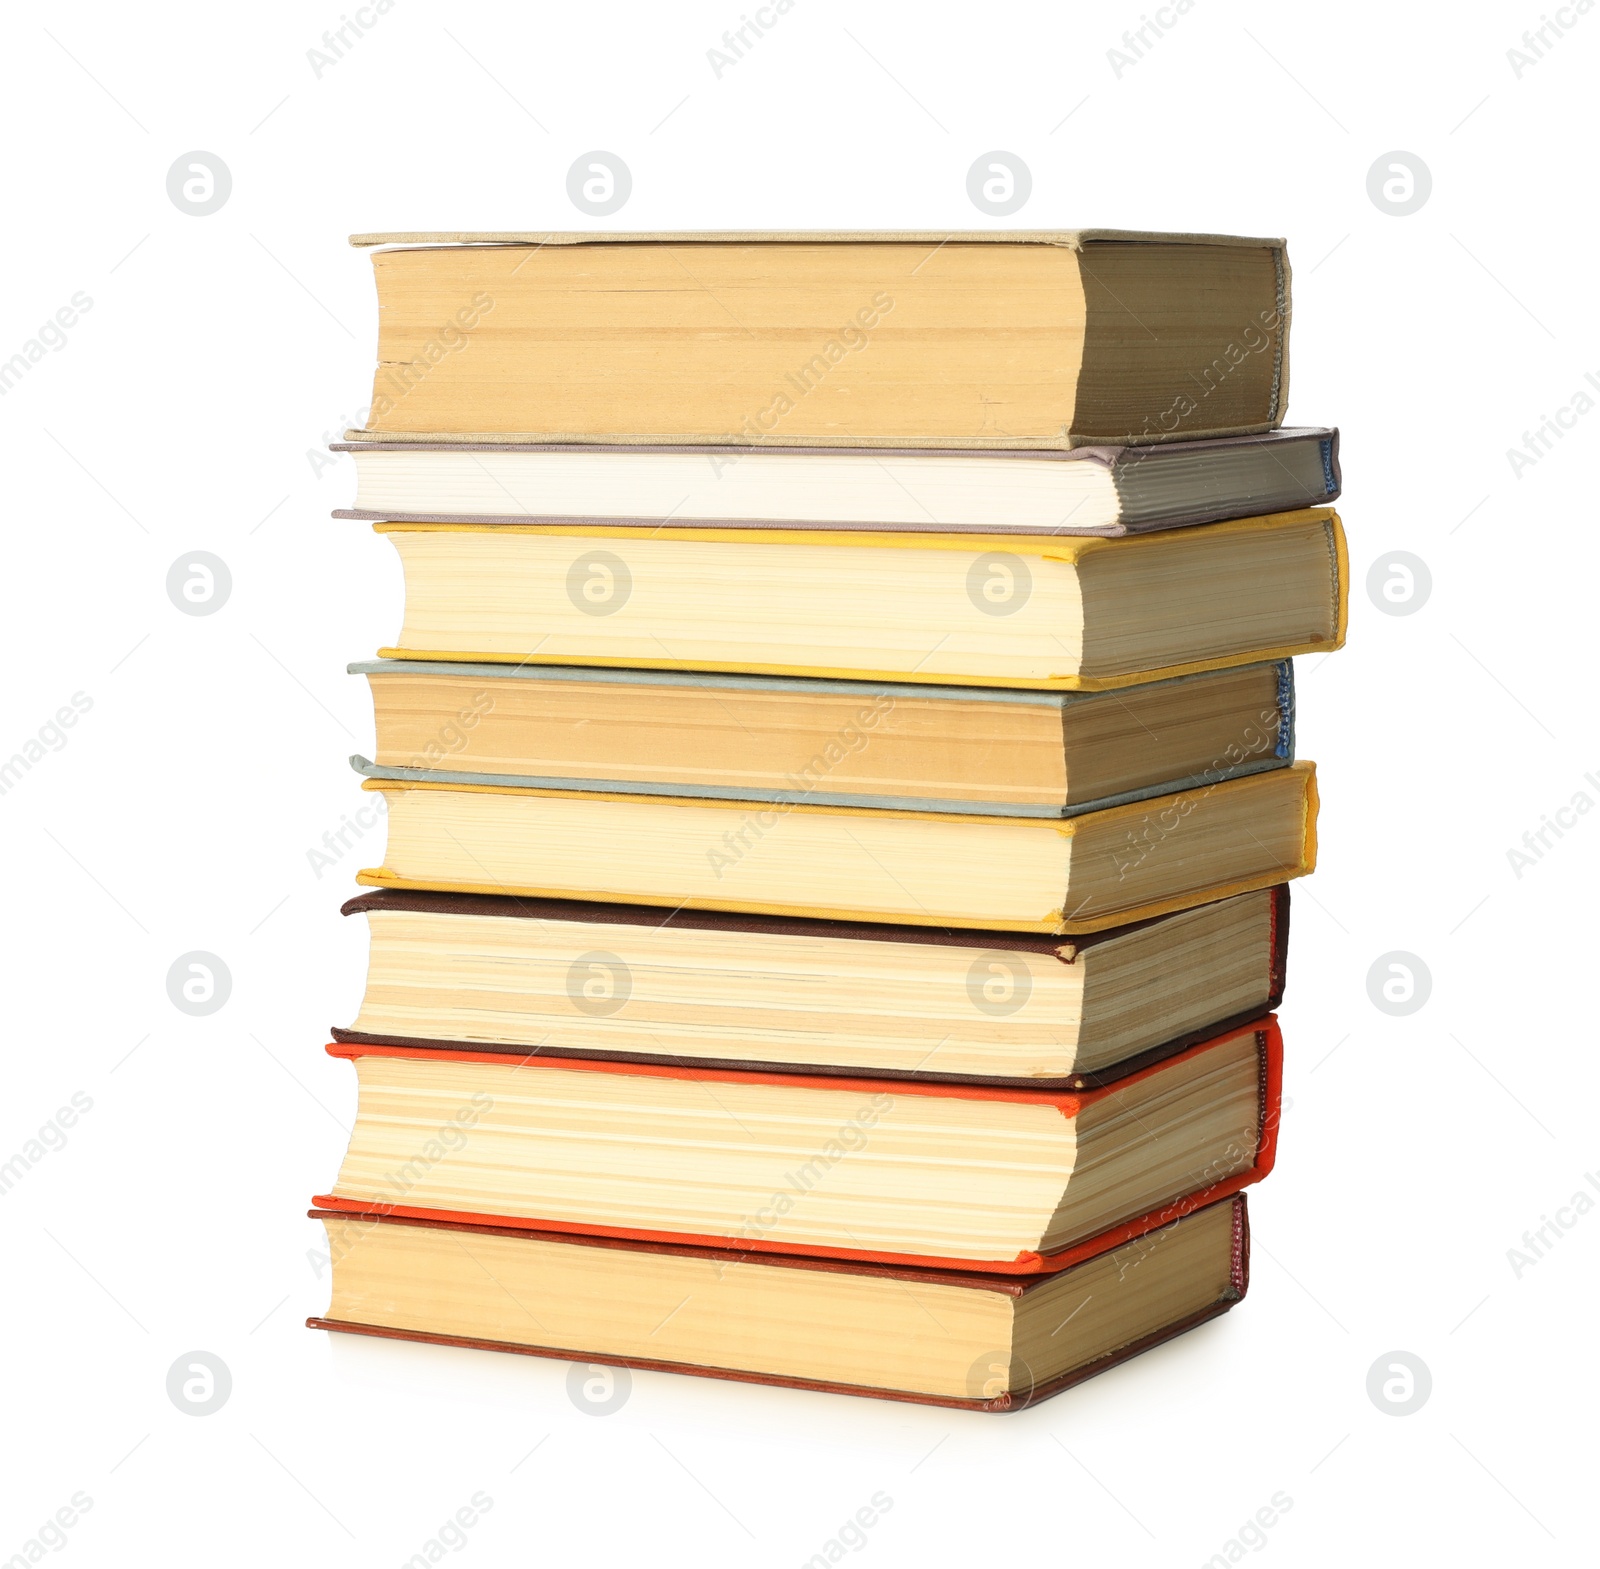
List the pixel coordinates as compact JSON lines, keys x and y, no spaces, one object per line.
{"x":951,"y":1338}
{"x":1079,"y":874}
{"x":1026,"y":339}
{"x":984,"y":750}
{"x":1084,"y":490}
{"x":565,"y":978}
{"x":1025,"y":611}
{"x":1015,"y":1181}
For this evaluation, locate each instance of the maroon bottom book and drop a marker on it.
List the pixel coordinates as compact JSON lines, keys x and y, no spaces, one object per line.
{"x":939,"y":1337}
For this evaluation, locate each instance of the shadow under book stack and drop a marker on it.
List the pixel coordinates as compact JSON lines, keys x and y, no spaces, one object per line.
{"x":841,"y":795}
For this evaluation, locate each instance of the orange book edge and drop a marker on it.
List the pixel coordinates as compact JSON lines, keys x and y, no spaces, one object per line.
{"x":1026,"y":1263}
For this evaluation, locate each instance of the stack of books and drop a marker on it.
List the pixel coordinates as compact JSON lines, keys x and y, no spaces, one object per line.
{"x":839,"y":772}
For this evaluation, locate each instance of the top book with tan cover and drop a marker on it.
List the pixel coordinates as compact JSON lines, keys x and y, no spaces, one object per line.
{"x":1023,"y":340}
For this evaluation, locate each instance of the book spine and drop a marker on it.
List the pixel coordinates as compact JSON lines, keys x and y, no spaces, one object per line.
{"x":1279,"y":975}
{"x":1240,"y":1281}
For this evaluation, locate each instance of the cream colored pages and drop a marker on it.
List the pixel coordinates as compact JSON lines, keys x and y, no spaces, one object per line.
{"x":736,"y":996}
{"x":873,"y":865}
{"x":863,"y":1169}
{"x":795,"y":607}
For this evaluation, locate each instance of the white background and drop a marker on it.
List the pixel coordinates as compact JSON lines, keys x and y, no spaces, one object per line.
{"x":182,"y":414}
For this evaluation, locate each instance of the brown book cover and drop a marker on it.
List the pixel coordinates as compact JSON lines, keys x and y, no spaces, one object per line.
{"x":1008,"y":1286}
{"x":1063,"y":949}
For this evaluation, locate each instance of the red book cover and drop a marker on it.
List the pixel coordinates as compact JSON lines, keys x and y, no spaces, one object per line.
{"x":1270,"y":1047}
